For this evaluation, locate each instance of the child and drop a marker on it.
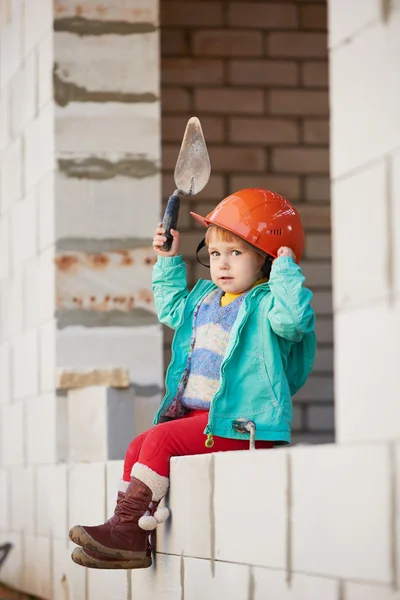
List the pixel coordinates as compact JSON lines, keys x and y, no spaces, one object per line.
{"x":244,"y":344}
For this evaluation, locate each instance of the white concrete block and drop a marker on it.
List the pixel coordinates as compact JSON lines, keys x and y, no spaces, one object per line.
{"x":138,"y":348}
{"x":396,"y":525}
{"x":23,"y":484}
{"x":5,"y":500}
{"x":46,"y":213}
{"x":162,"y":581}
{"x":24,"y":229}
{"x":43,"y":496}
{"x":69,"y":579}
{"x":45,"y":68}
{"x":228,"y":580}
{"x":47,"y":356}
{"x":335,"y":531}
{"x":301,"y":587}
{"x":13,"y":568}
{"x":127,"y":63}
{"x":46,"y":427}
{"x":15,"y":311}
{"x":5,"y":373}
{"x":37,"y":575}
{"x":395,"y":224}
{"x":38,"y":20}
{"x":87,"y":494}
{"x":112,"y":128}
{"x":104,"y":208}
{"x":366,"y":192}
{"x":47,"y":284}
{"x":114,"y":472}
{"x":143,"y":11}
{"x":5,"y":322}
{"x":31,"y":294}
{"x":23,"y":100}
{"x":4,"y":248}
{"x":108,"y":585}
{"x":4,"y":120}
{"x":87,"y":424}
{"x":191,"y":529}
{"x":362,"y":591}
{"x":341,"y":30}
{"x":367,"y":391}
{"x":11,"y":174}
{"x":12,"y":433}
{"x":241,"y":479}
{"x":11,"y":44}
{"x":357,"y":137}
{"x":39,"y":146}
{"x":25,"y":364}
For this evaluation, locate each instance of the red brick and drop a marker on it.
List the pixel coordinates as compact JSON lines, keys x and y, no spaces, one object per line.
{"x":214,"y":189}
{"x":262,"y":15}
{"x":192,"y":71}
{"x":316,"y":131}
{"x":300,"y":102}
{"x":315,"y":217}
{"x":174,"y":42}
{"x":193,"y":14}
{"x":229,"y":158}
{"x":175,"y":100}
{"x":318,"y":246}
{"x":174,"y":126}
{"x":263,"y":131}
{"x":229,"y":101}
{"x":314,"y":17}
{"x":315,"y":74}
{"x":287,"y":186}
{"x":223,"y":42}
{"x":297,"y":44}
{"x":263,"y":72}
{"x":318,"y":189}
{"x":300,"y":160}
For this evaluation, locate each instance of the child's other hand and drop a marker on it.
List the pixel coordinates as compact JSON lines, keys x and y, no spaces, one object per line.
{"x":285,"y":251}
{"x":159,"y":239}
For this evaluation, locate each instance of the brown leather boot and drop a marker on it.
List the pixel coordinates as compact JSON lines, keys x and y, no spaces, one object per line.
{"x":120,"y":537}
{"x":95,"y":560}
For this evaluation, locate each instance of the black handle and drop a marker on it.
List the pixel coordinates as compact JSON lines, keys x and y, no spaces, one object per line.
{"x":170,"y":221}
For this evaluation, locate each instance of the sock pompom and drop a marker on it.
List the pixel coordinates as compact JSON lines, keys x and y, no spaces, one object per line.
{"x":147,"y":522}
{"x":161,"y":514}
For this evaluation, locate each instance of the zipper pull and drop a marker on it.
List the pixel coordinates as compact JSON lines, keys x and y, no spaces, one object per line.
{"x":209,"y":443}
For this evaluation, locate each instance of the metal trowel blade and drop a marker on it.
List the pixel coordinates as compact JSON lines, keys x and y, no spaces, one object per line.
{"x":193,"y":169}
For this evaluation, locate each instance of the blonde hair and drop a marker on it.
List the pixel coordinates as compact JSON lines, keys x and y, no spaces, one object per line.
{"x":220,"y":234}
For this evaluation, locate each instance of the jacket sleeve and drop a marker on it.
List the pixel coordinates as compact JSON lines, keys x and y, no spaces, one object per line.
{"x":291,"y":315}
{"x":170,"y":289}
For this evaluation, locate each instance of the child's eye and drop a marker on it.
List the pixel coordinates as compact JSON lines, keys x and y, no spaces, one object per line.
{"x":236,"y":252}
{"x":214,"y":253}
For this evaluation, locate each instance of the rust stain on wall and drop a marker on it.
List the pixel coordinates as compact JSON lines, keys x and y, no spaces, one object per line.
{"x":66,"y":92}
{"x":94,"y":167}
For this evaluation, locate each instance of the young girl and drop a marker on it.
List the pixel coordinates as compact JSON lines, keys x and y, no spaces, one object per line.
{"x":244,"y":344}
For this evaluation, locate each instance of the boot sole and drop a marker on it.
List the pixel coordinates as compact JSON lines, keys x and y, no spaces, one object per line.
{"x":80,"y":537}
{"x":80,"y":557}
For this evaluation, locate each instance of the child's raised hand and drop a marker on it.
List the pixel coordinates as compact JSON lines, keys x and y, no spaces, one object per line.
{"x":159,"y":239}
{"x":285,"y":251}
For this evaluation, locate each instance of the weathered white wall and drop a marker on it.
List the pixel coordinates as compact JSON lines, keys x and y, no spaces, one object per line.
{"x":289,"y":524}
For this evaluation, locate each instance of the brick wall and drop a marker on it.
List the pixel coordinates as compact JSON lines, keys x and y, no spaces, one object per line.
{"x":256,"y":74}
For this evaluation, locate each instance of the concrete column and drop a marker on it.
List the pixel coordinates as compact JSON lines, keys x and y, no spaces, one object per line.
{"x":365,"y":167}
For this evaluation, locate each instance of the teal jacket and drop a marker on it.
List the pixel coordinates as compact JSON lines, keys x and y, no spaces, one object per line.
{"x":270,"y":353}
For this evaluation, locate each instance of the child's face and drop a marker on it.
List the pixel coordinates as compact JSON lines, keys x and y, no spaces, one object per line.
{"x":234,"y":265}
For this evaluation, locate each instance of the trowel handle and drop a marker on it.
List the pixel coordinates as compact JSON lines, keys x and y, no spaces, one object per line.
{"x":170,"y":221}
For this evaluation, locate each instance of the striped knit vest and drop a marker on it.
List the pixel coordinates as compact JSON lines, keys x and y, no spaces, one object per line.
{"x":212,"y":325}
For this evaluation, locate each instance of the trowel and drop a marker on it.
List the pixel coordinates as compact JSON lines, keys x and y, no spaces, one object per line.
{"x":192,"y":172}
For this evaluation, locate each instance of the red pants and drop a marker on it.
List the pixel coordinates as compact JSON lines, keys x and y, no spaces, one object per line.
{"x":180,"y":437}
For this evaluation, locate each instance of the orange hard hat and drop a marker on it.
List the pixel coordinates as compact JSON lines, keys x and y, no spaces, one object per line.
{"x":264,"y":219}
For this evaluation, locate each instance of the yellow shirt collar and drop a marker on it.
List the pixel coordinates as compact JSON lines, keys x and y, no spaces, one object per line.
{"x":227,"y":298}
